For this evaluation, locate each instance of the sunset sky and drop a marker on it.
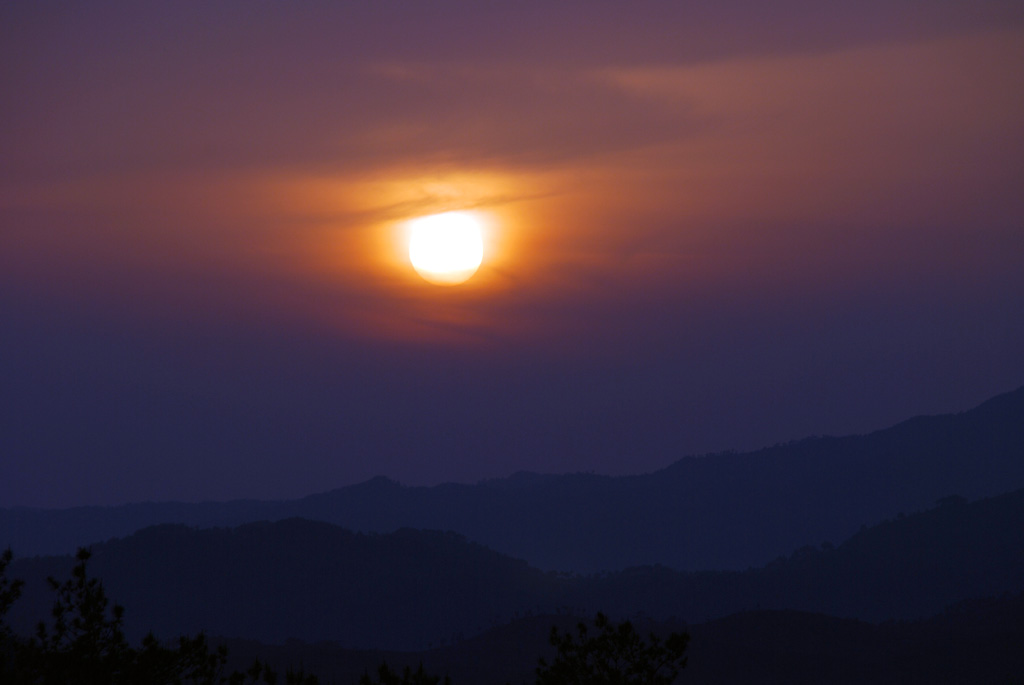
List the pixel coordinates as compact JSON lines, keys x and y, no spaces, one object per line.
{"x":707,"y":226}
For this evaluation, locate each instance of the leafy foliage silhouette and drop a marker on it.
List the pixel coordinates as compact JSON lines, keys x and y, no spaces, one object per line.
{"x":86,"y":644}
{"x":615,"y":655}
{"x":386,"y":676}
{"x":10,"y":590}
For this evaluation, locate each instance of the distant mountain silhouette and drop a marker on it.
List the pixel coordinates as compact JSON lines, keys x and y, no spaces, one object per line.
{"x":973,"y":642}
{"x":720,"y":511}
{"x":909,"y":567}
{"x":405,"y":590}
{"x":299,"y":579}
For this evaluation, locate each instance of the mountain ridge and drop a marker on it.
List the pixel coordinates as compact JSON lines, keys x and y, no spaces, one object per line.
{"x":313,"y":580}
{"x":718,"y":511}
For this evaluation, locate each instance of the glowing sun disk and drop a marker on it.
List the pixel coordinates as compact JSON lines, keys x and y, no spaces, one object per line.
{"x":446,"y":249}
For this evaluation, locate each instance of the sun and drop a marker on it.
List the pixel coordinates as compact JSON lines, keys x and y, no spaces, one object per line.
{"x":446,"y":249}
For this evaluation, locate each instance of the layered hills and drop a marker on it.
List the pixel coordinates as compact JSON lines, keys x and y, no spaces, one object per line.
{"x":719,"y":511}
{"x":410,"y":589}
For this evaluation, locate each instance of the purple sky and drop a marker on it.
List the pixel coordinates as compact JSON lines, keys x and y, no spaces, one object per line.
{"x":708,"y":228}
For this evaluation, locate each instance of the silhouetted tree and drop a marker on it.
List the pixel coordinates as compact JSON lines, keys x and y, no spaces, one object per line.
{"x":386,"y":676}
{"x":86,"y":644}
{"x":260,"y":672}
{"x":615,"y":655}
{"x":10,"y":590}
